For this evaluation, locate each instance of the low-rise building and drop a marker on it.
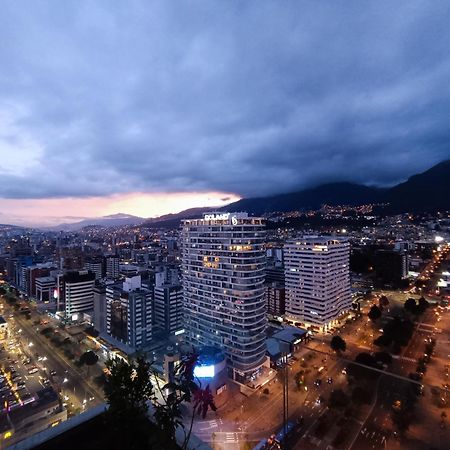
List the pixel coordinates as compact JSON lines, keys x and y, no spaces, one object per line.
{"x":20,"y":422}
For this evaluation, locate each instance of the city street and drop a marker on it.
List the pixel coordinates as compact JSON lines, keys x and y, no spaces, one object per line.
{"x":70,"y":381}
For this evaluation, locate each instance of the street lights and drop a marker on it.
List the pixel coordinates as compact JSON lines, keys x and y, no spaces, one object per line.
{"x":284,"y":353}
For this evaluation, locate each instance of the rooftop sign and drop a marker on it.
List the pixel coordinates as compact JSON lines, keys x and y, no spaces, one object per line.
{"x":224,"y":216}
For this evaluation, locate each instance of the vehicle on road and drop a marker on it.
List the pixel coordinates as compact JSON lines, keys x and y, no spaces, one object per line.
{"x":32,"y":370}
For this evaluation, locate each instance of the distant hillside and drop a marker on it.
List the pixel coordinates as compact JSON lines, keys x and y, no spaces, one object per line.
{"x":114,"y":220}
{"x":173,"y":220}
{"x":427,"y":191}
{"x":331,"y":194}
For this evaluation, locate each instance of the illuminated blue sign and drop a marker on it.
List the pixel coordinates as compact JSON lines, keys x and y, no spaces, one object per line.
{"x":204,"y":371}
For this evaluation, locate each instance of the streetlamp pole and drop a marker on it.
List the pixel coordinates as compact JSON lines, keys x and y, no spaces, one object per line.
{"x":284,"y":393}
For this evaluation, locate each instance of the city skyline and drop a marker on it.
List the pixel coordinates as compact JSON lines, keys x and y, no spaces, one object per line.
{"x":155,"y":108}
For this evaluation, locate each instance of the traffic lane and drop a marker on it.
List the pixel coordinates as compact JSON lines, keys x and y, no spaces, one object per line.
{"x":265,"y":419}
{"x":63,"y":370}
{"x":311,"y":410}
{"x":55,"y":362}
{"x":15,"y":385}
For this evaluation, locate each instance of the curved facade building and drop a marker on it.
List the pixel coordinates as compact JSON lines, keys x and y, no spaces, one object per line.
{"x":223,"y":264}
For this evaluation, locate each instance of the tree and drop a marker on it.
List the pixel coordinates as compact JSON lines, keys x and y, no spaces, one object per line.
{"x":91,"y":331}
{"x":89,"y":358}
{"x":361,"y":395}
{"x":383,"y":302}
{"x":338,"y":344}
{"x":338,"y":399}
{"x":383,"y":357}
{"x":423,"y":305}
{"x":411,"y":306}
{"x":383,"y":341}
{"x":47,"y":331}
{"x":300,"y":379}
{"x":11,"y":298}
{"x":359,"y":372}
{"x":402,"y":412}
{"x":421,"y":365}
{"x":128,"y":389}
{"x":2,"y":290}
{"x":374,"y":313}
{"x":399,"y":330}
{"x":183,"y":387}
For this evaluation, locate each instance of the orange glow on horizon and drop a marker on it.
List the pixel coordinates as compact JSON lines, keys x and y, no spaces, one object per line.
{"x":53,"y":211}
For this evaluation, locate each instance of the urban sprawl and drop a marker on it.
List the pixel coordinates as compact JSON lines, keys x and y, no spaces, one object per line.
{"x":320,"y":330}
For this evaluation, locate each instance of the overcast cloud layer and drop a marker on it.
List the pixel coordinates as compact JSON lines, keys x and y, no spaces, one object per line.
{"x":245,"y":97}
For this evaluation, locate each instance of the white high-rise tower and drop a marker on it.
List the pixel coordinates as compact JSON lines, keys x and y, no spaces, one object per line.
{"x":317,"y":280}
{"x":223,"y":264}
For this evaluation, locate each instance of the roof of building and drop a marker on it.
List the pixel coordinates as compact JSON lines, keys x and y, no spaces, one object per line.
{"x":319,"y":240}
{"x":43,"y":399}
{"x":273,"y":347}
{"x":79,"y":276}
{"x":45,"y":279}
{"x":289,"y":334}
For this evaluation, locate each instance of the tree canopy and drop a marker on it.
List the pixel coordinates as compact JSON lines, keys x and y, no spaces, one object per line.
{"x":363,"y":373}
{"x":338,"y":399}
{"x":383,"y":302}
{"x":338,"y":344}
{"x":129,"y":392}
{"x":89,"y":358}
{"x":374,"y":313}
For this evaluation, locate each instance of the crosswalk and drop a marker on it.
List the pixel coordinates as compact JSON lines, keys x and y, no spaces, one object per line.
{"x":231,"y":437}
{"x":405,"y":358}
{"x":211,"y":424}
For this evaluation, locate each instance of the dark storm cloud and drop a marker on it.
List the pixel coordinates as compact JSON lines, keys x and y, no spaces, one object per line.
{"x":246,"y":97}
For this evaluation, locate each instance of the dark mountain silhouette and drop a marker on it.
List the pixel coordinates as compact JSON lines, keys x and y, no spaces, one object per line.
{"x":114,"y":220}
{"x":330,"y":194}
{"x":427,"y":191}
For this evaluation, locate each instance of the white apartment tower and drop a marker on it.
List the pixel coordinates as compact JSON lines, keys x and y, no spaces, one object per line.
{"x":317,"y":280}
{"x":223,"y":263}
{"x":78,"y":292}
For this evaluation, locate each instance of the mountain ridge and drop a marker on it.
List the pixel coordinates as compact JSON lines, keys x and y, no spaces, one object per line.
{"x":112,"y":220}
{"x":425,"y":191}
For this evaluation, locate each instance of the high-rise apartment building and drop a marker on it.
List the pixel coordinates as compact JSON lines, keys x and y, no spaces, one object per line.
{"x":275,"y":295}
{"x":78,"y":291}
{"x":223,"y":263}
{"x":317,"y":280}
{"x":168,"y":302}
{"x":45,"y":288}
{"x":112,"y":267}
{"x":129,"y":312}
{"x":95,"y":265}
{"x":100,"y":307}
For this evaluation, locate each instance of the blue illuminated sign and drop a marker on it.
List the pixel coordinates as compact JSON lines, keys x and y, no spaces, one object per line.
{"x":204,"y":371}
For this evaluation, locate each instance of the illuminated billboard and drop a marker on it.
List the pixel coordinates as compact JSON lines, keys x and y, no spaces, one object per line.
{"x":204,"y":371}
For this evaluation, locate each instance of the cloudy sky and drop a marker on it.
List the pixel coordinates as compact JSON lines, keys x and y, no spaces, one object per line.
{"x":147,"y":107}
